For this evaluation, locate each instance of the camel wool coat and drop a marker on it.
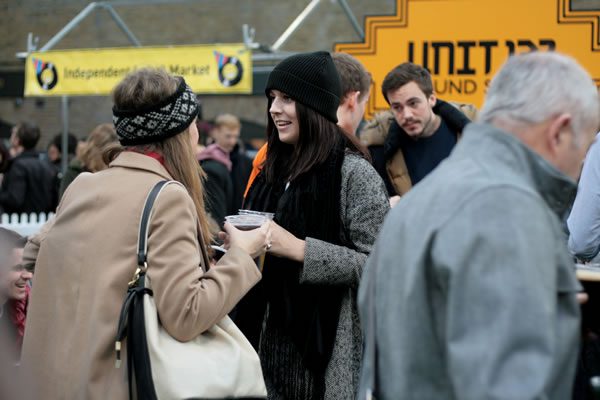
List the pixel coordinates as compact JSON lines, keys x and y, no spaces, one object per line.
{"x":84,"y":261}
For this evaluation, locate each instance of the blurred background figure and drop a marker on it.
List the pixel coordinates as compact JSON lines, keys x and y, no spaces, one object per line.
{"x":54,"y":151}
{"x":219,"y":188}
{"x":89,"y":157}
{"x":356,"y":90}
{"x":54,"y":155}
{"x":27,"y":185}
{"x":584,"y":219}
{"x":227,"y":134}
{"x":584,"y":243}
{"x":4,"y":160}
{"x":204,"y":129}
{"x":14,"y":290}
{"x":227,"y":168}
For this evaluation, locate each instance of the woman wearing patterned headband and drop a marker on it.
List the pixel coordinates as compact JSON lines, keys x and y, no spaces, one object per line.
{"x":86,"y":258}
{"x":329,"y":203}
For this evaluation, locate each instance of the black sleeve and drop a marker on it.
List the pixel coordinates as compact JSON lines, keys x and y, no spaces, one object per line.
{"x":218,"y":188}
{"x":66,"y":180}
{"x":14,"y":186}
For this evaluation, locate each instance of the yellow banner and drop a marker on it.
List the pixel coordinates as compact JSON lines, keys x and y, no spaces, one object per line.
{"x":206,"y":68}
{"x":463,"y":43}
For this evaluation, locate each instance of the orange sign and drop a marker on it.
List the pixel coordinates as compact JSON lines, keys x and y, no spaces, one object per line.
{"x":463,"y":43}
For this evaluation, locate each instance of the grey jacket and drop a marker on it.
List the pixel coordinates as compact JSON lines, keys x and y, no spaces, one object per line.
{"x":363,"y":206}
{"x":474,"y":289}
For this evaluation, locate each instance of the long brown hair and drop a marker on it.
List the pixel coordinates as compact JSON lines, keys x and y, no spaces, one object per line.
{"x":144,"y":88}
{"x":318,"y":138}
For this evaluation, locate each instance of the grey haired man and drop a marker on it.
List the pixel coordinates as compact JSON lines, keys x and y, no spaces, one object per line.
{"x":470,"y":291}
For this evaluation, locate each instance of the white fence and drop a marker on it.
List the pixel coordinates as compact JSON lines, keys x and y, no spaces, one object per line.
{"x":24,"y":224}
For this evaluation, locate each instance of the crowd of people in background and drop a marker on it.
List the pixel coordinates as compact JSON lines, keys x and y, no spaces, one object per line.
{"x":227,"y":167}
{"x":466,"y":289}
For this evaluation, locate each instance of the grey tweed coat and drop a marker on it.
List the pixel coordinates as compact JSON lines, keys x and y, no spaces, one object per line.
{"x":364,"y":204}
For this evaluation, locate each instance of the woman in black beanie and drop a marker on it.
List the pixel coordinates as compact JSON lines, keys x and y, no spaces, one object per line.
{"x":329,"y":204}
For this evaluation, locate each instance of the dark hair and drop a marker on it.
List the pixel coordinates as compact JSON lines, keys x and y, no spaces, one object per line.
{"x":318,"y":138}
{"x":71,"y":142}
{"x":28,"y":134}
{"x":204,"y":130}
{"x":353,"y":75}
{"x":405,"y":73}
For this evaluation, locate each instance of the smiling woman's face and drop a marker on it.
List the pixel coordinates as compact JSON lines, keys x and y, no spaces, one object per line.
{"x":14,"y":278}
{"x":283,"y":113}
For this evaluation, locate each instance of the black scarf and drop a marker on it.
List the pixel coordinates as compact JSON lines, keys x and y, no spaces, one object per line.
{"x":310,"y":207}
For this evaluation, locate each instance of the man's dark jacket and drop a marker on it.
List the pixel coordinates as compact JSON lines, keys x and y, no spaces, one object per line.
{"x":218,"y":189}
{"x":27,"y":185}
{"x":241,"y":166}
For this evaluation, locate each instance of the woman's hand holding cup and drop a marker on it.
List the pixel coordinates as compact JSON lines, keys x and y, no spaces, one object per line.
{"x":255,"y":242}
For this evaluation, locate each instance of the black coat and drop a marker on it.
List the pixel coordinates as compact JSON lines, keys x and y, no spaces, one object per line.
{"x":27,"y":185}
{"x":241,"y":166}
{"x":219,"y":190}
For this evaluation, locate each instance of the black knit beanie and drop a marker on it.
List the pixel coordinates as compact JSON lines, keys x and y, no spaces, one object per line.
{"x":310,"y":79}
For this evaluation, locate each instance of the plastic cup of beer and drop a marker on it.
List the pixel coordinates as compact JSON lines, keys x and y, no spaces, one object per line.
{"x":268,"y":215}
{"x":246,"y":222}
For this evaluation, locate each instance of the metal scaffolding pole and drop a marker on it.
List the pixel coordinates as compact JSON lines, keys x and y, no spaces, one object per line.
{"x":64,"y":158}
{"x":295,"y":25}
{"x":69,"y":26}
{"x":352,"y":19}
{"x":57,"y":38}
{"x":122,"y":24}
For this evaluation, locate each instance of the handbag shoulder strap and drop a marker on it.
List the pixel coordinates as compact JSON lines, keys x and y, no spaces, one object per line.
{"x":137,"y":289}
{"x":142,"y":249}
{"x":137,"y":284}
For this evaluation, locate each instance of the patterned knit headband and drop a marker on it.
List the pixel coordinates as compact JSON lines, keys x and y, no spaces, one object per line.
{"x":161,"y":121}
